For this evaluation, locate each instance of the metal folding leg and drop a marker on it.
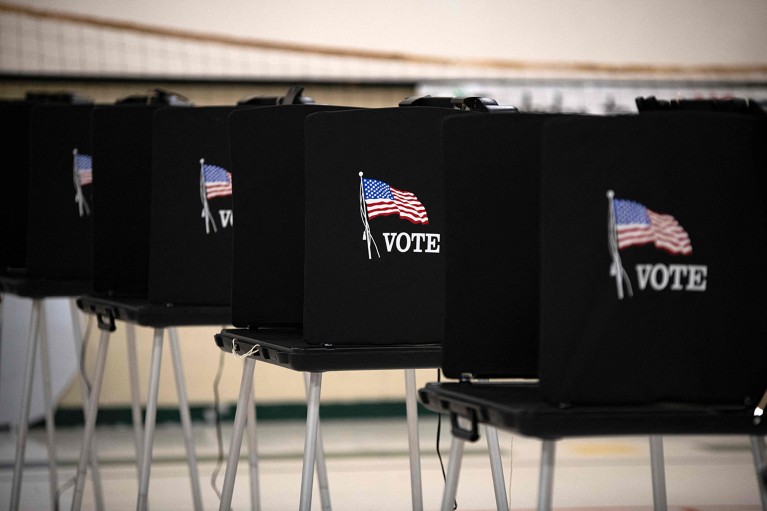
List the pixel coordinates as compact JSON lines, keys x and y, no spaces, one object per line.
{"x":149,"y":422}
{"x":98,"y":492}
{"x":90,"y":420}
{"x":36,"y":325}
{"x":411,"y":404}
{"x":138,"y":434}
{"x":453,"y":472}
{"x":243,"y":402}
{"x":658,"y":468}
{"x":310,"y":442}
{"x":760,"y":463}
{"x":255,"y":485}
{"x":546,"y":481}
{"x":186,"y":419}
{"x":50,"y":426}
{"x":319,"y":456}
{"x":496,"y":468}
{"x":454,"y":468}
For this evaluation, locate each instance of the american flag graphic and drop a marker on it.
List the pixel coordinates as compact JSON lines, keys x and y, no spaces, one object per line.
{"x":637,"y":225}
{"x":218,"y":182}
{"x":84,"y":165}
{"x":382,"y":199}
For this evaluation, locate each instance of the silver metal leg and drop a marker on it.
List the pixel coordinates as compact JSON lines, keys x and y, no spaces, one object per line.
{"x":319,"y":460}
{"x":496,"y":468}
{"x":50,"y":406}
{"x":186,"y":419}
{"x":98,"y":492}
{"x":151,"y":415}
{"x":310,"y":443}
{"x":243,"y":402}
{"x":453,"y":471}
{"x":255,"y":486}
{"x":90,"y":420}
{"x":760,"y":463}
{"x":135,"y":393}
{"x":23,"y":426}
{"x":411,"y":404}
{"x":546,"y":482}
{"x":658,"y":468}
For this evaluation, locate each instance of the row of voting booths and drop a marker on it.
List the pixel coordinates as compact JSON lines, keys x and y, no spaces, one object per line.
{"x":571,"y":275}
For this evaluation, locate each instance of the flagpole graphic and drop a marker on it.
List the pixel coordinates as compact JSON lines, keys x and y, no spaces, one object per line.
{"x":616,"y":268}
{"x":82,"y":203}
{"x":204,"y":199}
{"x":366,"y":235}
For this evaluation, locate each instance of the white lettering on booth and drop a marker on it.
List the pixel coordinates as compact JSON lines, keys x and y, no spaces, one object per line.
{"x":227,"y":218}
{"x":412,"y":242}
{"x":677,"y":277}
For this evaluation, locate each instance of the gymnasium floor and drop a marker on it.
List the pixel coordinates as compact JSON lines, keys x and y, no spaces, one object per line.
{"x":368,"y":469}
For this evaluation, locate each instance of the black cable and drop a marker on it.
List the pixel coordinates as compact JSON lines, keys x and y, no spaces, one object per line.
{"x":439,"y":454}
{"x":83,"y":349}
{"x":217,"y":415}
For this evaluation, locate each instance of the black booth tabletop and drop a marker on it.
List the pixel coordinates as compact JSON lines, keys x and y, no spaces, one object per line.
{"x":519,"y":407}
{"x":144,"y":313}
{"x":287,"y":348}
{"x":41,"y":287}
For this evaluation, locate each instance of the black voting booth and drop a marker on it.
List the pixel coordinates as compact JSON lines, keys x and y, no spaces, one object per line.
{"x":16,"y":177}
{"x":623,"y":348}
{"x":161,"y":248}
{"x":688,"y":239}
{"x":266,"y":146}
{"x":49,"y":180}
{"x":17,"y":150}
{"x":307,"y":162}
{"x":46,"y":231}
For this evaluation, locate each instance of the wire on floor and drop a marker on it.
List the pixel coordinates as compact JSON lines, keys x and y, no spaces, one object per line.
{"x":439,"y":454}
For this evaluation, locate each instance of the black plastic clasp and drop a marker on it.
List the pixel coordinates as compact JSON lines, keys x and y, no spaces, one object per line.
{"x":107,"y":324}
{"x":156,"y":96}
{"x":473,"y":103}
{"x":294,"y":96}
{"x":471,"y":435}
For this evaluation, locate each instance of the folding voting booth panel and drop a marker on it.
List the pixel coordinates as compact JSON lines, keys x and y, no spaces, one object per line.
{"x":492,"y":172}
{"x":190,"y":260}
{"x":122,"y":195}
{"x":375,"y":219}
{"x":664,"y":302}
{"x":60,"y":225}
{"x":15,"y":177}
{"x":647,"y":306}
{"x":267,"y":151}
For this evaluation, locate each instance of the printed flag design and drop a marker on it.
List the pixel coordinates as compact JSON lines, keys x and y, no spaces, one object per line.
{"x":218,"y":182}
{"x":84,"y":166}
{"x":637,"y":225}
{"x":82,"y":174}
{"x":382,"y":200}
{"x":215,"y":182}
